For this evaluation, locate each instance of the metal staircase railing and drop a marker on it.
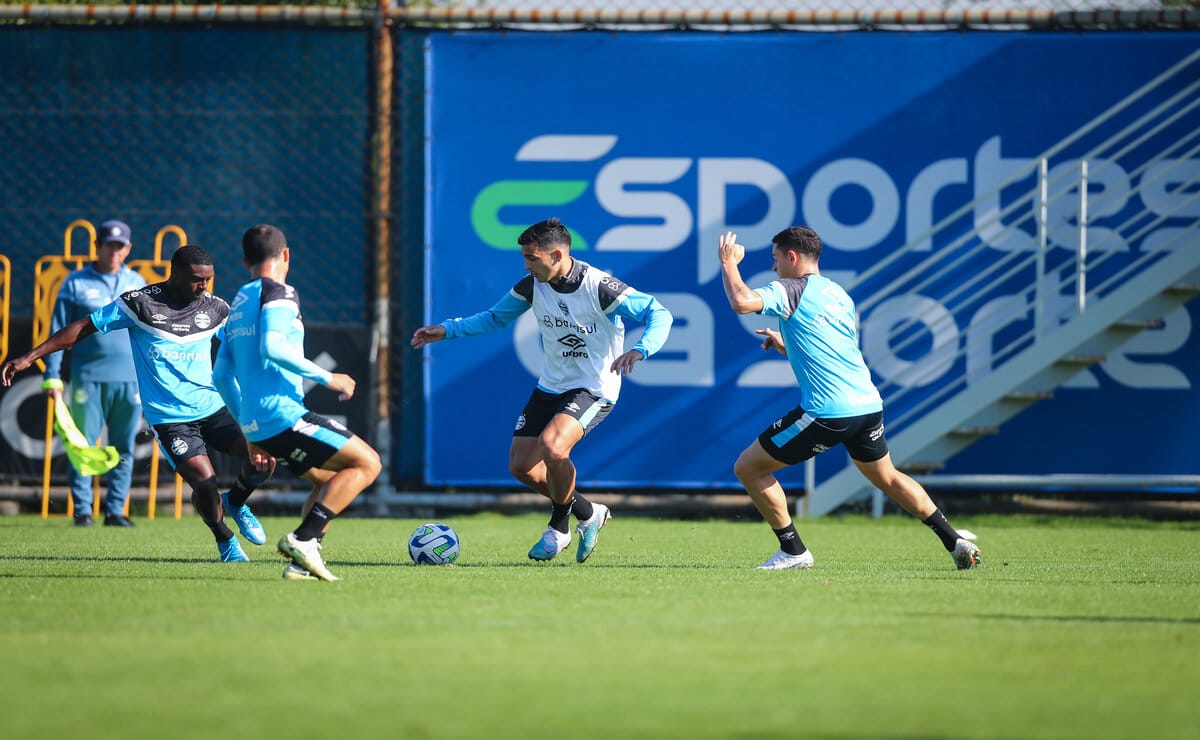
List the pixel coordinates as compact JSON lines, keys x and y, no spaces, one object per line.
{"x":1099,"y":240}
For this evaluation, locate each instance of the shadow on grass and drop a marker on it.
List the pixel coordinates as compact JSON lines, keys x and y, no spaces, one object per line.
{"x":106,"y":559}
{"x":1089,"y":618}
{"x":531,"y":564}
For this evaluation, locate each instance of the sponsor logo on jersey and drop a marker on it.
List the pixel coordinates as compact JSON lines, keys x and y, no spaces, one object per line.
{"x":160,"y":353}
{"x":178,"y":446}
{"x":240,"y":331}
{"x":576,"y":347}
{"x":819,"y":448}
{"x":158,"y":318}
{"x":553,"y":322}
{"x":181,"y":327}
{"x":202,"y":320}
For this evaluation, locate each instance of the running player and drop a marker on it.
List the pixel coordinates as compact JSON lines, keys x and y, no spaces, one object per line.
{"x":171,"y":325}
{"x":579,"y":311}
{"x":838,"y":402}
{"x":260,"y":372}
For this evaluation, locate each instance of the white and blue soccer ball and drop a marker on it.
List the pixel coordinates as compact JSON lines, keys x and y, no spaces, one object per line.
{"x":433,"y":543}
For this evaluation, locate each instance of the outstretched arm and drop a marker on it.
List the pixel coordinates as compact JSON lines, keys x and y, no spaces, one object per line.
{"x":741,"y":298}
{"x":506,"y":311}
{"x":274,"y":345}
{"x":64,"y":338}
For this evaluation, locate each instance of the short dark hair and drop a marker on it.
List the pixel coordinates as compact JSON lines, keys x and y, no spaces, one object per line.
{"x":800,"y":239}
{"x":544,"y":233}
{"x":190,"y":254}
{"x":262,"y":242}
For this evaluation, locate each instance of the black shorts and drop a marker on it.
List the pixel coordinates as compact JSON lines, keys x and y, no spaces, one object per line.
{"x":797,"y":437}
{"x":182,"y":440}
{"x":585,"y":406}
{"x":311,"y":441}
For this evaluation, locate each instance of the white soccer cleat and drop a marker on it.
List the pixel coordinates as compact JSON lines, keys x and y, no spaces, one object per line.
{"x":966,"y":554}
{"x":552,"y":543}
{"x":294,"y":572}
{"x":306,"y":554}
{"x":783,"y":561}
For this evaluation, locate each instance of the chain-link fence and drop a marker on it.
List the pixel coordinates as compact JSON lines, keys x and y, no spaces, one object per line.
{"x":209,"y":129}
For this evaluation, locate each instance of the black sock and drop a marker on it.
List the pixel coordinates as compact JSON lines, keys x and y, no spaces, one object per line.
{"x":583,"y":508}
{"x":208,"y":506}
{"x":239,"y":492}
{"x":314,"y":523}
{"x":947,"y":534}
{"x":789,"y":540}
{"x":560,"y":516}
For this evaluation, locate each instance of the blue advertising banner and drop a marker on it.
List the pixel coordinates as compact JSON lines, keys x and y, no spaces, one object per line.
{"x":648,"y":146}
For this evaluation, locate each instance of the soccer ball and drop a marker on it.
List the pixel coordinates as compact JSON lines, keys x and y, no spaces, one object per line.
{"x":433,"y":543}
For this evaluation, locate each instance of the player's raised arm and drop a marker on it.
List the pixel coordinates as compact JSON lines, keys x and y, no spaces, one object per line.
{"x":64,"y":338}
{"x":741,"y":298}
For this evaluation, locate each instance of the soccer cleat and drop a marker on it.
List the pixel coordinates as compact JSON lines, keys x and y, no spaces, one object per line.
{"x":294,"y":572}
{"x":552,"y":543}
{"x":967,"y":534}
{"x":783,"y":561}
{"x":589,"y":531}
{"x":306,"y":554}
{"x":247,"y":523}
{"x":231,"y":551}
{"x":966,"y":554}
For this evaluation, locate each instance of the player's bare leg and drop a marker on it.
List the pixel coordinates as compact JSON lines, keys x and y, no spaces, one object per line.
{"x":552,"y":451}
{"x":913,"y":498}
{"x":756,"y":471}
{"x":354,"y":467}
{"x":526,"y":465}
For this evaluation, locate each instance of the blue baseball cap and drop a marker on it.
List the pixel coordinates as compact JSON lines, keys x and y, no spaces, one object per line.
{"x":114,"y":231}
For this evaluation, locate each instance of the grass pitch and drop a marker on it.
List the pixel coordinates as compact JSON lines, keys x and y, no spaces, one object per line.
{"x":1086,"y":628}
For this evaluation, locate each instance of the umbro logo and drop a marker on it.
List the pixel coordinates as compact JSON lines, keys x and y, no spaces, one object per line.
{"x":572,"y":341}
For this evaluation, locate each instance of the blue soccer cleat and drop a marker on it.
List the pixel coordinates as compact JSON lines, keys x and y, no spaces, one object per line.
{"x":551,"y":543}
{"x":231,"y":551}
{"x":589,"y":531}
{"x":247,"y":523}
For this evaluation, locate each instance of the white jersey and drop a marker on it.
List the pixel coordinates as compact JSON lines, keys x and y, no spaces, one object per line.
{"x":581,"y":333}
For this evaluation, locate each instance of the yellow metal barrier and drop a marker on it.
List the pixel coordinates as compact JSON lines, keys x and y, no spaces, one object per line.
{"x":5,"y":295}
{"x":48,"y":275}
{"x":157,"y":270}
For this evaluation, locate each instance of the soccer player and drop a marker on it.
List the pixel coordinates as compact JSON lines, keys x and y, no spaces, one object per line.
{"x":103,"y":389}
{"x":260,"y":373}
{"x":580,"y":311}
{"x":171,"y":325}
{"x":838,"y":402}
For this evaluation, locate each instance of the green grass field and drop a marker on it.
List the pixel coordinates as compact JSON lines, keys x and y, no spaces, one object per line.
{"x":1073,"y":628}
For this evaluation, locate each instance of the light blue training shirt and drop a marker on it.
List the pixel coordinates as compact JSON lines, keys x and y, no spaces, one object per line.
{"x":816,"y":319}
{"x":172,"y":350}
{"x":261,"y":367}
{"x":102,"y":358}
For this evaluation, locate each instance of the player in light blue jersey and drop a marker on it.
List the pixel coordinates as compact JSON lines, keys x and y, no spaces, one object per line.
{"x":260,"y":372}
{"x":838,"y":402}
{"x":580,"y":310}
{"x":171,"y":325}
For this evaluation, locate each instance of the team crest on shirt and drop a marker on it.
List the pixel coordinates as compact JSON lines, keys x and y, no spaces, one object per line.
{"x":562,"y":306}
{"x":202,"y":320}
{"x":520,"y":423}
{"x":178,"y":446}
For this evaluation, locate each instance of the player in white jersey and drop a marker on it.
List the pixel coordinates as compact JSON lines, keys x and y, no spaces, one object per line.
{"x":839,"y":403}
{"x":579,"y":311}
